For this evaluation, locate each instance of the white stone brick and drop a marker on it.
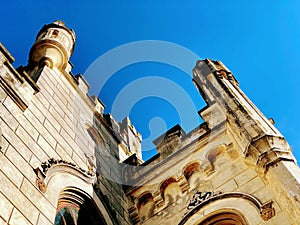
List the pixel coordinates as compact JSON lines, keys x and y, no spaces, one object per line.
{"x":59,"y":118}
{"x":264,"y":194}
{"x":37,"y":112}
{"x":44,"y":221}
{"x":3,"y":95}
{"x":13,"y":140}
{"x":18,"y":219}
{"x":37,"y":199}
{"x":55,"y":110}
{"x":2,"y":221}
{"x":223,"y":176}
{"x":5,"y":208}
{"x":8,"y":118}
{"x":61,"y":101}
{"x":252,"y":186}
{"x":229,"y":186}
{"x":18,"y":114}
{"x":10,"y":170}
{"x":4,"y":144}
{"x":34,"y":162}
{"x":40,"y":101}
{"x":46,"y":147}
{"x":43,"y":131}
{"x":47,"y":77}
{"x":22,"y":165}
{"x":245,"y":176}
{"x":68,"y":139}
{"x":63,"y":153}
{"x":31,"y":144}
{"x":53,"y":127}
{"x":18,"y":199}
{"x":46,"y":89}
{"x":79,"y":161}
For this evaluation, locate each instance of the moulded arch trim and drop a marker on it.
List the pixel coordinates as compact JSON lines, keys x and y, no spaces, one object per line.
{"x":247,"y":205}
{"x":62,"y":177}
{"x":80,"y":197}
{"x":222,"y":216}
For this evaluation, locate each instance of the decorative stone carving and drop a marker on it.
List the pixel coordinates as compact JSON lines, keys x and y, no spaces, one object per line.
{"x":61,"y":166}
{"x":267,"y":211}
{"x":91,"y":163}
{"x":199,"y":197}
{"x":41,"y":184}
{"x":48,"y":164}
{"x":40,"y":177}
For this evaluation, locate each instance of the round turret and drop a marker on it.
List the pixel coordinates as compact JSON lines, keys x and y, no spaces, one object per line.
{"x":53,"y":46}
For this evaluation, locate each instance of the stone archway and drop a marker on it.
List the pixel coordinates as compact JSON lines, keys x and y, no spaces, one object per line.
{"x":225,"y":218}
{"x":75,"y":207}
{"x":234,"y":208}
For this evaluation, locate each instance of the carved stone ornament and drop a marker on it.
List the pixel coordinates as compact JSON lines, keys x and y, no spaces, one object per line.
{"x":41,"y":184}
{"x":52,"y":166}
{"x":48,"y":164}
{"x":200,"y":197}
{"x":267,"y":211}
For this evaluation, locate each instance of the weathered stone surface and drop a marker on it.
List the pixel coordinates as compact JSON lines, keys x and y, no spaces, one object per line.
{"x":6,"y":208}
{"x":57,"y":149}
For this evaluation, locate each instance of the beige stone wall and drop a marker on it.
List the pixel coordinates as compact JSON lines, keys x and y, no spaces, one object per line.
{"x":54,"y":137}
{"x":227,"y":173}
{"x":54,"y":124}
{"x":236,"y":162}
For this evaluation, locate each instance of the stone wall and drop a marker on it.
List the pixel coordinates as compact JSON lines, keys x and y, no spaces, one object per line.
{"x":46,"y":146}
{"x":235,"y":167}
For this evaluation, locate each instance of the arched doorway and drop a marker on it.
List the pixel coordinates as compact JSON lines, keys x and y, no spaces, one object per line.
{"x":227,"y":218}
{"x":75,"y":207}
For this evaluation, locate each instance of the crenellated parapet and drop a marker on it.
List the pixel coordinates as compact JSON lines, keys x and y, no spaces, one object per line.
{"x":18,"y":85}
{"x":235,"y":167}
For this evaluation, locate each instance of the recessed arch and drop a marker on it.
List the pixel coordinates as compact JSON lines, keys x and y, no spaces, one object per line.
{"x":165,"y":184}
{"x":145,"y":205}
{"x":170,"y":190}
{"x":229,"y":217}
{"x":67,"y":182}
{"x":192,"y":174}
{"x":76,"y":207}
{"x":247,"y":206}
{"x":190,"y":169}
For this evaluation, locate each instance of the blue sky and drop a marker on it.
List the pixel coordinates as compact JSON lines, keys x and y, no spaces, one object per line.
{"x":257,"y":40}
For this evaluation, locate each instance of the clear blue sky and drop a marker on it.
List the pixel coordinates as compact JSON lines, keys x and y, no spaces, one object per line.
{"x":259,"y":41}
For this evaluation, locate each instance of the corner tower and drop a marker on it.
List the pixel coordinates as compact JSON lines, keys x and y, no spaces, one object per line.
{"x":53,"y":46}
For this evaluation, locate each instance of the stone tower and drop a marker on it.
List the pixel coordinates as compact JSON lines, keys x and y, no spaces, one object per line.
{"x":53,"y":46}
{"x":63,"y":161}
{"x":60,"y":155}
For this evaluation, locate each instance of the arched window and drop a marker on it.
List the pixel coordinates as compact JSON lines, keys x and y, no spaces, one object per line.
{"x":77,"y":208}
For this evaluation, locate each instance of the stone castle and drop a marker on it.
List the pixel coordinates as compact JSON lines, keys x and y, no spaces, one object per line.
{"x":64,"y":162}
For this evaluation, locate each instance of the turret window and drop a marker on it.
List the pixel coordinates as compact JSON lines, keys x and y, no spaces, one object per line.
{"x":54,"y":34}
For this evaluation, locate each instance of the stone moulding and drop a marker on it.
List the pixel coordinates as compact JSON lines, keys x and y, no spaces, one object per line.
{"x":200,"y":200}
{"x":54,"y":166}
